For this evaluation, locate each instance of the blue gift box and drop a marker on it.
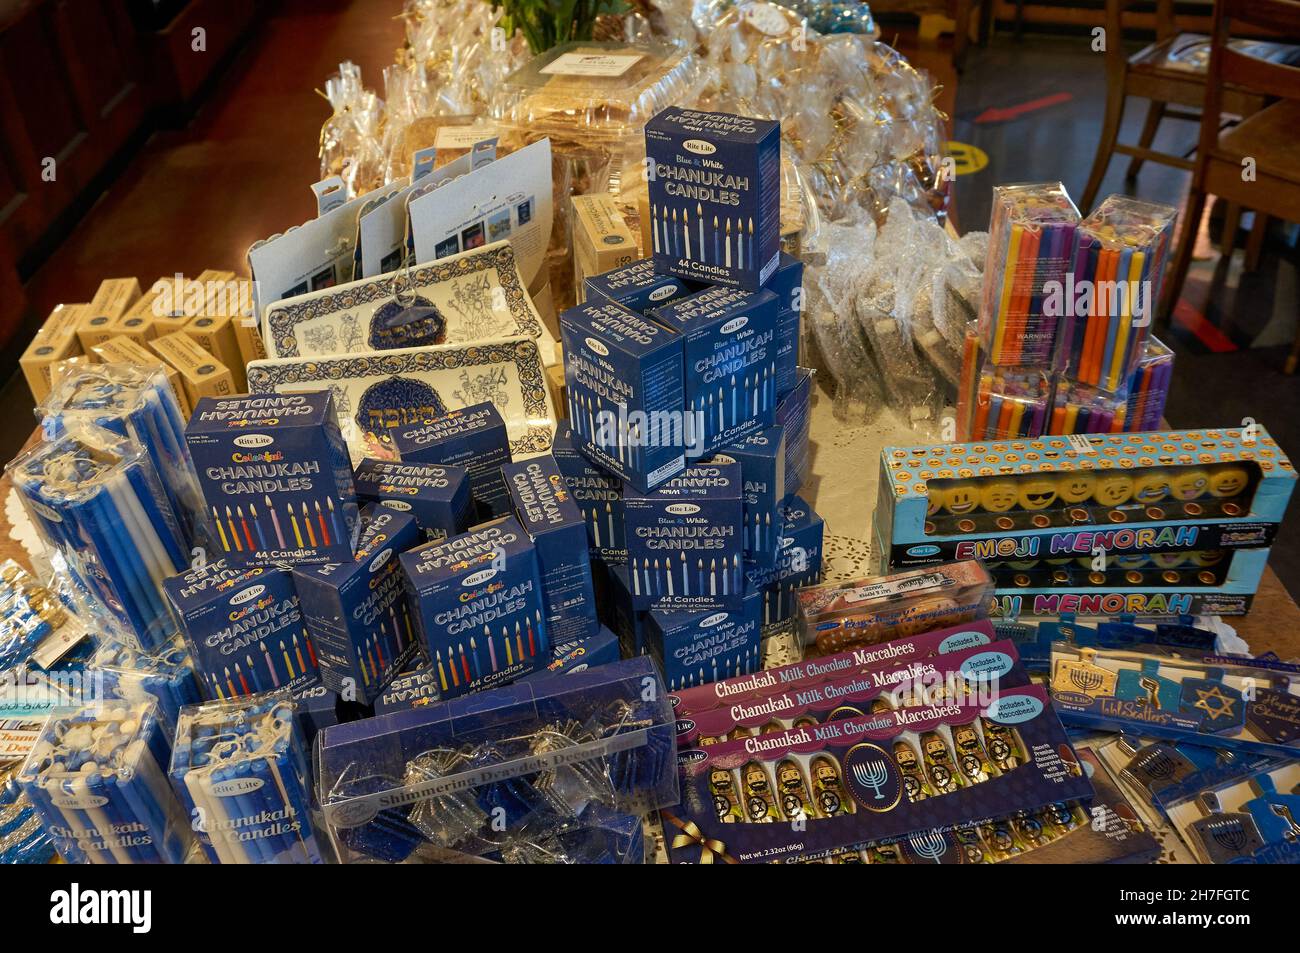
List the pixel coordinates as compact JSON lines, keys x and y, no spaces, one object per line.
{"x":437,"y":496}
{"x":474,"y":438}
{"x":787,"y":285}
{"x":794,"y":413}
{"x":715,"y":196}
{"x":799,"y":562}
{"x":694,"y":648}
{"x":598,"y":493}
{"x":409,"y":690}
{"x":762,"y":469}
{"x":276,"y":477}
{"x":357,"y":611}
{"x":636,"y":286}
{"x":478,"y":601}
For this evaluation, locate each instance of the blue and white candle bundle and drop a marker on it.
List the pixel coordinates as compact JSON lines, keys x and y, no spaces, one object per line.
{"x":29,"y":614}
{"x":98,"y":781}
{"x":137,"y":404}
{"x":22,"y":831}
{"x":166,"y":676}
{"x":239,"y":768}
{"x":97,"y":499}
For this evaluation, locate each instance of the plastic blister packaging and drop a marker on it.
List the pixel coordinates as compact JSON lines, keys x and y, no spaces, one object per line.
{"x":98,"y":779}
{"x":350,"y":145}
{"x":240,"y":767}
{"x":167,"y":676}
{"x":1010,"y":402}
{"x":1148,"y":388}
{"x":501,"y":771}
{"x":98,"y":500}
{"x":1078,"y":408}
{"x":31,"y":614}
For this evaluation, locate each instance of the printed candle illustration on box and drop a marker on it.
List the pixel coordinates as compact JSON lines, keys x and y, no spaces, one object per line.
{"x":437,"y":496}
{"x":276,"y":477}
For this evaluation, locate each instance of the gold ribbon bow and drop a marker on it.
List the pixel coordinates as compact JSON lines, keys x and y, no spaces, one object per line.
{"x":692,"y":836}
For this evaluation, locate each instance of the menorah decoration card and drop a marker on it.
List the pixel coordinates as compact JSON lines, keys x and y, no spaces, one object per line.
{"x":381,"y":391}
{"x":1253,"y":817}
{"x":467,"y":297}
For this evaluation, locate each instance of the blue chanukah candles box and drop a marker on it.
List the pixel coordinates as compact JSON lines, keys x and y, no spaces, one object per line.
{"x":799,"y":562}
{"x":413,"y":689}
{"x":437,"y":496}
{"x":244,"y":629}
{"x":685,"y":543}
{"x":598,"y":493}
{"x":357,"y":611}
{"x":627,"y":622}
{"x":578,"y":655}
{"x":276,"y":477}
{"x":787,"y":285}
{"x":715,"y":196}
{"x":730,"y":362}
{"x":694,"y":648}
{"x":474,"y":438}
{"x":478,"y":601}
{"x":794,"y":413}
{"x":558,"y":530}
{"x":636,"y":286}
{"x":623,"y":378}
{"x":762,"y":469}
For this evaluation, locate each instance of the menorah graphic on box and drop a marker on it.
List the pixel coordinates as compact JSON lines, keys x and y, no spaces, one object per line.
{"x":1086,"y":681}
{"x":873,"y":774}
{"x":1157,"y":764}
{"x":931,"y":845}
{"x":1229,"y":834}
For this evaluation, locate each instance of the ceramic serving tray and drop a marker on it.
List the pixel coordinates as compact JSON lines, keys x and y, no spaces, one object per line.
{"x":379,"y":391}
{"x":467,"y":297}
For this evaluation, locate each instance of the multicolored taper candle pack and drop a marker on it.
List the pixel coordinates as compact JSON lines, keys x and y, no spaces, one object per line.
{"x":478,"y":598}
{"x":473,"y":437}
{"x":244,"y":629}
{"x":547,"y":512}
{"x":685,"y":543}
{"x":598,"y":494}
{"x":437,"y":496}
{"x":1148,"y":388}
{"x":276,"y":477}
{"x":715,"y":196}
{"x":98,"y":778}
{"x":1182,"y":518}
{"x":692,"y":648}
{"x":729,"y":351}
{"x":240,"y":768}
{"x":357,"y":612}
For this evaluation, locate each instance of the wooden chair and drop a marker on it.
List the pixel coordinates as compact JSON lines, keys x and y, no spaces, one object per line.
{"x":1171,"y":74}
{"x":1266,"y":143}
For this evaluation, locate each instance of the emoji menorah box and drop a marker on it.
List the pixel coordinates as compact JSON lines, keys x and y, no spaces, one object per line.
{"x":276,"y":478}
{"x":715,"y":196}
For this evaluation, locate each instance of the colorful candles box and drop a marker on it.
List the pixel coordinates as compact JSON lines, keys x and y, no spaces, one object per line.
{"x":579,"y":655}
{"x":550,"y":517}
{"x":762,"y":470}
{"x":1118,"y":265}
{"x":879,"y":776}
{"x":138,"y":404}
{"x":730,"y":360}
{"x":1148,"y":388}
{"x":715,"y":196}
{"x":881,"y":688}
{"x":473,"y":437}
{"x":787,"y":285}
{"x":98,"y":778}
{"x":1010,"y":402}
{"x":97,"y":500}
{"x":1031,"y":244}
{"x":598,"y":494}
{"x":437,"y":496}
{"x":478,"y":775}
{"x":315,"y":707}
{"x":798,"y":563}
{"x":244,"y":628}
{"x":692,"y":648}
{"x":623,"y":377}
{"x":1225,"y":703}
{"x":413,"y":689}
{"x":1078,"y":408}
{"x":837,"y":615}
{"x":794,"y":414}
{"x":636,"y":287}
{"x":241,"y":770}
{"x":1183,"y":518}
{"x":621,"y":614}
{"x":1253,"y":816}
{"x":276,"y":477}
{"x":166,"y":676}
{"x":478,"y":599}
{"x":684,"y":541}
{"x":357,"y":611}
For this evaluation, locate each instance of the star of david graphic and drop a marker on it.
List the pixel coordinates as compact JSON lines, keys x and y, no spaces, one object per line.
{"x":1214,"y":703}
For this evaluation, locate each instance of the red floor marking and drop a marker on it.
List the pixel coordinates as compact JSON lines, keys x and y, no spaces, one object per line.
{"x":1206,"y":332}
{"x":994,"y":114}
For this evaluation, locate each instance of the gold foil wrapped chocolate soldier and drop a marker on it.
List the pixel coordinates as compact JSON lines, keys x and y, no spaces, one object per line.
{"x":915,"y":785}
{"x":884,"y":854}
{"x":972,"y":760}
{"x":828,"y":788}
{"x":725,"y":803}
{"x":1000,"y":838}
{"x":1061,"y":817}
{"x":968,"y":839}
{"x":1002,"y":744}
{"x":944,"y":778}
{"x":793,"y":791}
{"x":847,"y":857}
{"x":1031,"y":831}
{"x":760,"y":805}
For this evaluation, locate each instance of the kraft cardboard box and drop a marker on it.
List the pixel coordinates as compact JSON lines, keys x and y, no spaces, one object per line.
{"x":715,"y":196}
{"x":201,"y":374}
{"x":216,"y":335}
{"x":276,"y":477}
{"x":114,"y":297}
{"x":545,"y":508}
{"x":601,"y":240}
{"x":478,"y":600}
{"x":55,"y":341}
{"x":473,"y":437}
{"x":437,"y":496}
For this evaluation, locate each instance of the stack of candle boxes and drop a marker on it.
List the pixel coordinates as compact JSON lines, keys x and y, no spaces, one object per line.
{"x":1167,"y":523}
{"x":437,"y":496}
{"x":473,"y":437}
